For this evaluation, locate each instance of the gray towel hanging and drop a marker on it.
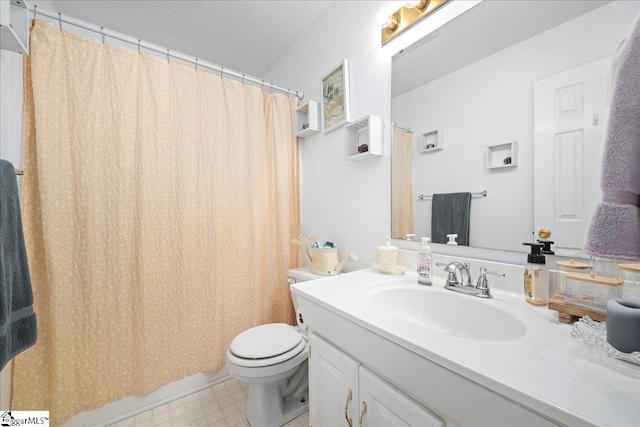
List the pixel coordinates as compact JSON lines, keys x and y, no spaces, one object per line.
{"x":17,"y":319}
{"x":450,"y":214}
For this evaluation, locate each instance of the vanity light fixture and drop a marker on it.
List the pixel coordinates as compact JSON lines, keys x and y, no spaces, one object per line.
{"x":395,"y":23}
{"x":420,"y":4}
{"x":385,"y":18}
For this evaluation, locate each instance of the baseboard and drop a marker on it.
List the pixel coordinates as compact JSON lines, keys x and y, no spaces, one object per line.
{"x":130,"y":406}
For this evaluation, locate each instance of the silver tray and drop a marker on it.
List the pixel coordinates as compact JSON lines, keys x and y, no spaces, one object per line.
{"x":595,"y":333}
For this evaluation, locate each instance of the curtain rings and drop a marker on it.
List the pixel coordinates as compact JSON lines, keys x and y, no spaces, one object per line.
{"x":261,"y":85}
{"x":60,"y":20}
{"x":221,"y":71}
{"x":168,"y":62}
{"x":35,"y":11}
{"x":242,"y":79}
{"x":102,"y":33}
{"x":271,"y":88}
{"x":196,"y":65}
{"x":138,"y":46}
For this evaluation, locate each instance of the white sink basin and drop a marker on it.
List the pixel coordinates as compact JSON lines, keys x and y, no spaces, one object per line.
{"x":449,"y":313}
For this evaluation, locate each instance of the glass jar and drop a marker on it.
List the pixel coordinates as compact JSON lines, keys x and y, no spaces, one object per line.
{"x":592,"y":291}
{"x":565,"y":267}
{"x":630,"y":273}
{"x":604,"y":267}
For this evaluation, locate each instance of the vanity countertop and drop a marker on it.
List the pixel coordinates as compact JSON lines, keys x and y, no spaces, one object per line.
{"x":545,"y":369}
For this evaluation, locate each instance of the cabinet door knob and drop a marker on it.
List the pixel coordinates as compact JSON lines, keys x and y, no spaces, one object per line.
{"x":362,"y":412}
{"x":346,"y":408}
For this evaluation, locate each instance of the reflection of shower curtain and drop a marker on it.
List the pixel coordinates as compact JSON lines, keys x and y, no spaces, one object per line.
{"x":159,"y":205}
{"x":401,"y":187}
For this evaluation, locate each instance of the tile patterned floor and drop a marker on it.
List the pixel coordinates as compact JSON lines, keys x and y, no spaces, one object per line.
{"x":219,"y":406}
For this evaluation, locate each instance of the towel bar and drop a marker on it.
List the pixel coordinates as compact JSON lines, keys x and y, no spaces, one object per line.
{"x":482,"y":193}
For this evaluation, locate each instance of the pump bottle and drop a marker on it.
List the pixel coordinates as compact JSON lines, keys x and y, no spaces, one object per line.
{"x":424,"y":262}
{"x":536,"y":283}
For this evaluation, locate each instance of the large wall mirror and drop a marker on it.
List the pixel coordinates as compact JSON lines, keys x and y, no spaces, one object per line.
{"x":508,"y":102}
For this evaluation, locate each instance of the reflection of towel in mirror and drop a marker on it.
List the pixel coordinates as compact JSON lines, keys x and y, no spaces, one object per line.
{"x":17,"y":319}
{"x":450,"y":215}
{"x":615,"y":226}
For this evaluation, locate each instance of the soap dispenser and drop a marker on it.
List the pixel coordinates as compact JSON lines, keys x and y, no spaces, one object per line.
{"x":387,"y":253}
{"x":536,"y":284}
{"x":424,"y":262}
{"x":546,"y":250}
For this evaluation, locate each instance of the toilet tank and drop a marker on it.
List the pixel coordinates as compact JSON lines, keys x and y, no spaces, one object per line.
{"x":297,"y":275}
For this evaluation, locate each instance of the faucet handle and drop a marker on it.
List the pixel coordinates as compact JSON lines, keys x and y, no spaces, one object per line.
{"x":483,"y":283}
{"x":451,"y":273}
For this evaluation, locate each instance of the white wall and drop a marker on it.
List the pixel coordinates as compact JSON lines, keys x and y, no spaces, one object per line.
{"x":343,"y":202}
{"x":491,"y":102}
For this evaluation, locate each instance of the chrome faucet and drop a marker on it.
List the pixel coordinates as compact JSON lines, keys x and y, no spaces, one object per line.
{"x":458,"y":273}
{"x":459,"y":279}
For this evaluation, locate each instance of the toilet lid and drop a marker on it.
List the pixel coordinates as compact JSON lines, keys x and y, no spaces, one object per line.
{"x":265,"y":341}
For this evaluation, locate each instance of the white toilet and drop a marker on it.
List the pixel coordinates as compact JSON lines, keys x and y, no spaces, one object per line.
{"x":272,"y":358}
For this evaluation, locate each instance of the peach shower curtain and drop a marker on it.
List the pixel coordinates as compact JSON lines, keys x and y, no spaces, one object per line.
{"x":401,"y":184}
{"x":159,"y":205}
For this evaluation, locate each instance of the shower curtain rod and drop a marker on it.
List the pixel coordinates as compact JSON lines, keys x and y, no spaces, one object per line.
{"x":159,"y":49}
{"x":405,"y":128}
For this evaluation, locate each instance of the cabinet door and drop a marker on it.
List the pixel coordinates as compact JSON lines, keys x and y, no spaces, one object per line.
{"x":386,"y":406}
{"x":333,"y":385}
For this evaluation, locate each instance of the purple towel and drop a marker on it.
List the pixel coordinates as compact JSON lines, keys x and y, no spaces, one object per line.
{"x":615,"y":226}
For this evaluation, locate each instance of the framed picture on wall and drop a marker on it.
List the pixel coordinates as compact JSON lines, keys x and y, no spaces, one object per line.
{"x":335,"y":97}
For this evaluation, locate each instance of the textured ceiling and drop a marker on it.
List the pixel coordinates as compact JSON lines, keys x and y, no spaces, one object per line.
{"x":486,"y":29}
{"x":247,"y":36}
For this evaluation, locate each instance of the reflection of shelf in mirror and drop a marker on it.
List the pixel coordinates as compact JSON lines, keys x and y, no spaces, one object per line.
{"x":307,"y":119}
{"x":502,"y":156}
{"x":367,"y":131}
{"x":431,"y":141}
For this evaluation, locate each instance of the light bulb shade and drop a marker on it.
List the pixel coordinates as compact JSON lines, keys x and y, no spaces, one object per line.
{"x":419,"y":4}
{"x":385,"y":18}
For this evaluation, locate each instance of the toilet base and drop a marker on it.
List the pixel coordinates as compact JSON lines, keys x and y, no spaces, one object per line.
{"x":275,"y":404}
{"x":266,"y":409}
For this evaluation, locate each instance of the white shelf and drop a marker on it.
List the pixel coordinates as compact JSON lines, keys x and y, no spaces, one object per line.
{"x":307,"y":114}
{"x":431,"y":141}
{"x":367,"y":131}
{"x":498,"y":154}
{"x":14,"y":26}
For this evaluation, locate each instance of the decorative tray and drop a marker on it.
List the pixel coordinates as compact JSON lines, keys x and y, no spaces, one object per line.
{"x":393,"y":270}
{"x":595,"y":334}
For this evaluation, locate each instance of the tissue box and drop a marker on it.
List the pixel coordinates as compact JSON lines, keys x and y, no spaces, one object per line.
{"x":592,"y":291}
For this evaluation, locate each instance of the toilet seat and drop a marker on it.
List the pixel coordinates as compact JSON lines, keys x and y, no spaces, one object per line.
{"x":266,"y":345}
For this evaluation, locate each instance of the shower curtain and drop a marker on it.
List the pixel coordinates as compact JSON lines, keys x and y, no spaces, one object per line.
{"x":159,"y":205}
{"x":401,"y":184}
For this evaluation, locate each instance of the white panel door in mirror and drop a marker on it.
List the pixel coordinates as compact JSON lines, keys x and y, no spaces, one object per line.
{"x":568,"y":100}
{"x":570,"y":120}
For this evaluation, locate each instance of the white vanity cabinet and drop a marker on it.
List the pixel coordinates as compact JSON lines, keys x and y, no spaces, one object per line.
{"x":333,"y":384}
{"x":344,"y":393}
